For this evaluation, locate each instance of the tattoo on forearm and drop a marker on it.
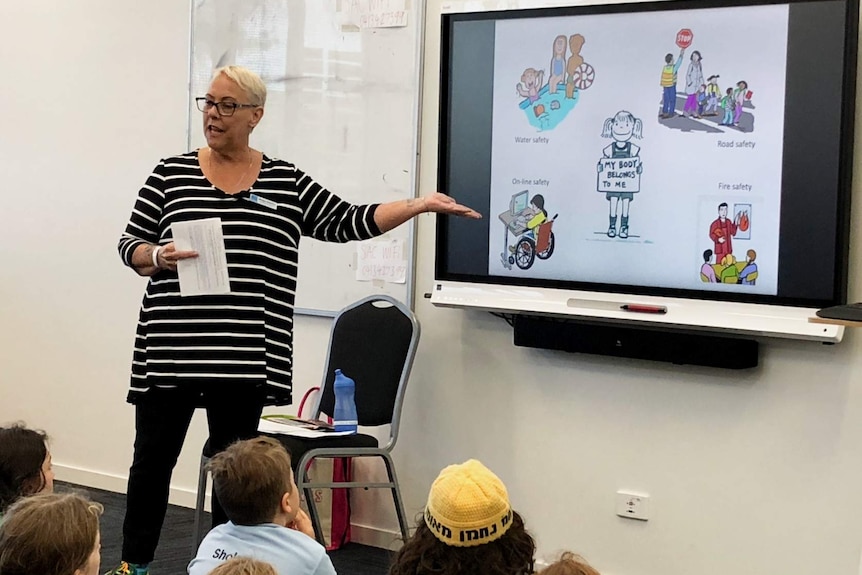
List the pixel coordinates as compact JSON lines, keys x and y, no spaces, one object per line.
{"x":148,"y":253}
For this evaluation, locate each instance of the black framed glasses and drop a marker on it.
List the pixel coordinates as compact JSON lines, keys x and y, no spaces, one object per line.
{"x":223,"y":108}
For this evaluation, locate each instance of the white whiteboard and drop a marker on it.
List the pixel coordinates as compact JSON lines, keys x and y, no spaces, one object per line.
{"x":342,"y":104}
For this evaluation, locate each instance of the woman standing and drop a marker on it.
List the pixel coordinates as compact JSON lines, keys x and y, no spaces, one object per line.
{"x":693,"y":82}
{"x":230,"y":353}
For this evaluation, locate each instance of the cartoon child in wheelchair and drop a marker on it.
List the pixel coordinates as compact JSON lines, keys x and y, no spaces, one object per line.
{"x":533,"y":231}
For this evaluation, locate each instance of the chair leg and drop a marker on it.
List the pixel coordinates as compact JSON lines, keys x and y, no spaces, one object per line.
{"x":396,"y":497}
{"x":312,"y":508}
{"x":400,"y":512}
{"x":315,"y":517}
{"x":197,"y":534}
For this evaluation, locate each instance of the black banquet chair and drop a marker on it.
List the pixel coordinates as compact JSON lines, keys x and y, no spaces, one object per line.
{"x":373,"y":341}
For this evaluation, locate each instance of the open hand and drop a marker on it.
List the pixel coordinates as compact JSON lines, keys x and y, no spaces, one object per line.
{"x":442,"y":204}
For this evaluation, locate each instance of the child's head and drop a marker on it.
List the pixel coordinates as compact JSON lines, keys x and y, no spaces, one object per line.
{"x":254,"y":482}
{"x":569,"y":564}
{"x":244,"y":566}
{"x":25,"y":464}
{"x":468,"y":527}
{"x":51,"y":534}
{"x":538,"y":202}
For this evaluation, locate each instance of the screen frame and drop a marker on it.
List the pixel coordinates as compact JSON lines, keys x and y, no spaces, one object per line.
{"x":845,"y":157}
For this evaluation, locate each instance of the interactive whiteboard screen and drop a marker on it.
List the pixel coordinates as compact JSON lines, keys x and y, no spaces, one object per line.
{"x":686,"y":149}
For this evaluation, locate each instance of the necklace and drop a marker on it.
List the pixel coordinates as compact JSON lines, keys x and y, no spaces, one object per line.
{"x":244,"y":172}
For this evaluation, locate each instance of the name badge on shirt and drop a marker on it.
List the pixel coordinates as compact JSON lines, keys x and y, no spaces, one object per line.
{"x":263,"y":201}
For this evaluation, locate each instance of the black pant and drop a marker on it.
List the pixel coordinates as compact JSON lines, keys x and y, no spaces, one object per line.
{"x":162,"y":419}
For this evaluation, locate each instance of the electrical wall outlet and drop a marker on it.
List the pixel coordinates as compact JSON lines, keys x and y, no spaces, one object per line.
{"x":633,"y":505}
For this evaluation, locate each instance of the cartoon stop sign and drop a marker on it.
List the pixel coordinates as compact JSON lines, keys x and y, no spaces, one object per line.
{"x":684,"y":38}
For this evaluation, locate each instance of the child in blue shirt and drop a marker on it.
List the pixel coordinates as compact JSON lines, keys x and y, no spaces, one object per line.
{"x":254,"y":482}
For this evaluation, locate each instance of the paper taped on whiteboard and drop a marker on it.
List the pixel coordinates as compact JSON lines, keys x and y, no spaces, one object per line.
{"x":381,"y":260}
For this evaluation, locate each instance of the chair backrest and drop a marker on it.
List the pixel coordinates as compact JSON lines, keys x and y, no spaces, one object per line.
{"x":373,"y":341}
{"x":543,"y":237}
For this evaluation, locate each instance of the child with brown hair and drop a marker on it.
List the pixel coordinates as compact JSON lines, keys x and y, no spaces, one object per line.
{"x":468,"y":527}
{"x":25,"y":464}
{"x":51,"y":534}
{"x":244,"y":566}
{"x":254,"y":483}
{"x":569,"y":564}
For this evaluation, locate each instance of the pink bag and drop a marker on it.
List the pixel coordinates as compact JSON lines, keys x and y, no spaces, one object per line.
{"x":333,"y":505}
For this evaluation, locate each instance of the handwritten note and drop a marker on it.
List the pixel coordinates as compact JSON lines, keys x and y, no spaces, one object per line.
{"x":381,"y":260}
{"x":374,"y":13}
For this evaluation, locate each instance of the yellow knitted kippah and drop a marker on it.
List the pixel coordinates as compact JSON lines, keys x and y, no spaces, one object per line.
{"x":468,"y":505}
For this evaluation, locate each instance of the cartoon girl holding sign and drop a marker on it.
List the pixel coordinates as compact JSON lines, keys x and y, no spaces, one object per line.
{"x":622,"y":128}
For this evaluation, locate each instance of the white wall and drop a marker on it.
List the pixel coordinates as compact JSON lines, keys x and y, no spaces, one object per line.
{"x":755,"y":472}
{"x":94,"y":94}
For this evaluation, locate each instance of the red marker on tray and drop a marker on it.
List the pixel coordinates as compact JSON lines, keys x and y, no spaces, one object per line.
{"x":643,"y":308}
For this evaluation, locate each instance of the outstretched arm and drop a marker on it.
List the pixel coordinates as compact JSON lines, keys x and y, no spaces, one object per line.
{"x":392,"y":214}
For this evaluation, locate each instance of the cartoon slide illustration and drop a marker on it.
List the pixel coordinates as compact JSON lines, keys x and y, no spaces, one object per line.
{"x":705,"y":106}
{"x":619,"y":169}
{"x":544,"y":105}
{"x":527,"y":220}
{"x":726,"y":268}
{"x":531,"y":82}
{"x":721,"y":231}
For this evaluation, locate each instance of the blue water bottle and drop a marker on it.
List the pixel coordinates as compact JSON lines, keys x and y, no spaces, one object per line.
{"x":344,"y":418}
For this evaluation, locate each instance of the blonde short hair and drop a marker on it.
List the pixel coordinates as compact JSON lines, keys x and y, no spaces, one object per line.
{"x":244,"y":566}
{"x":569,"y":564}
{"x":48,"y":534}
{"x":250,"y":82}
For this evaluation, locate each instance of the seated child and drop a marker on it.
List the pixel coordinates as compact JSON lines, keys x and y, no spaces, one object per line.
{"x":729,"y":273}
{"x":254,"y":483}
{"x":51,"y":534}
{"x":747,"y":275}
{"x":25,"y":464}
{"x":539,"y":213}
{"x":534,"y":216}
{"x":468,"y":528}
{"x":707,"y":272}
{"x":569,"y":564}
{"x":244,"y":566}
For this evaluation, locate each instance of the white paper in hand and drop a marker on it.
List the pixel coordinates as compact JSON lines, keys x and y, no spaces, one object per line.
{"x":207,"y":273}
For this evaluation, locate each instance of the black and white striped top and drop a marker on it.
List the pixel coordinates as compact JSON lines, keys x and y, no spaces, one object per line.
{"x":245,"y":337}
